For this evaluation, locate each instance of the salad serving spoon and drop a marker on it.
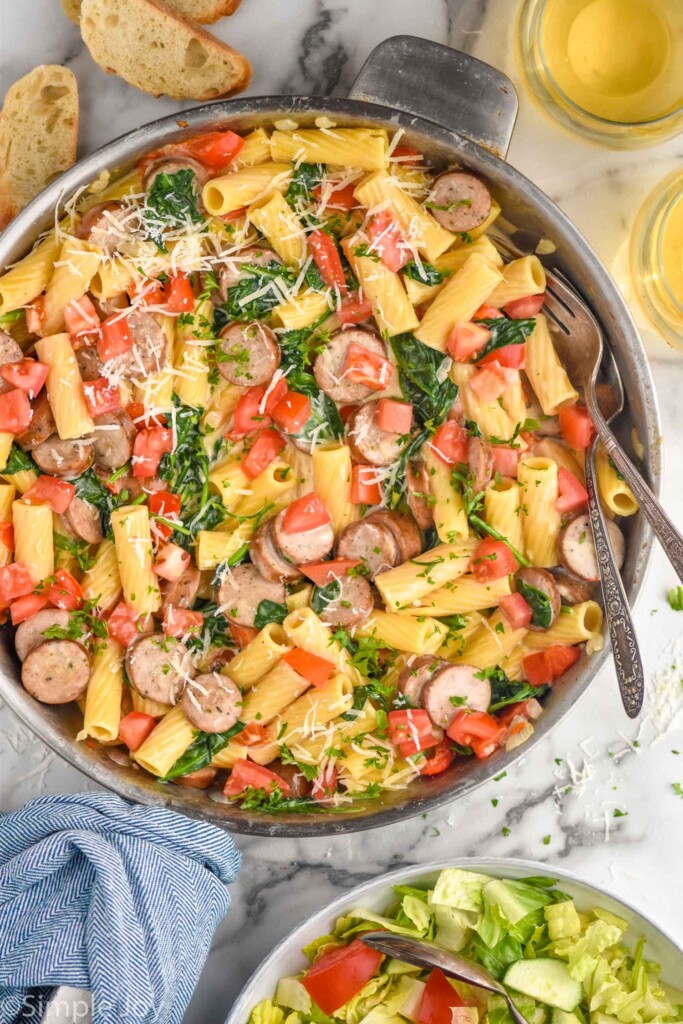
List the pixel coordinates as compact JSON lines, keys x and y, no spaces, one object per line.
{"x":423,"y":953}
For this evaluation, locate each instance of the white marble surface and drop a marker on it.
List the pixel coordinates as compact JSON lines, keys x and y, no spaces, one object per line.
{"x":317,"y":46}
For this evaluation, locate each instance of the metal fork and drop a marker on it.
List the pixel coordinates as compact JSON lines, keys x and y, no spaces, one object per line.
{"x":578,"y":342}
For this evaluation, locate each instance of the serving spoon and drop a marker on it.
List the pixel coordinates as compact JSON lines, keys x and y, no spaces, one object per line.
{"x":423,"y":953}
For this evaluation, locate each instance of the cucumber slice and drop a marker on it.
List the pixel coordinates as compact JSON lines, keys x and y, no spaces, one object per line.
{"x":546,"y":980}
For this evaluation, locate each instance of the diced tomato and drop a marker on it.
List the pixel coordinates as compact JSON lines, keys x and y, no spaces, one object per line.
{"x":215,"y":149}
{"x":252,"y":734}
{"x":248,"y":416}
{"x":101,"y":396}
{"x":141,"y":415}
{"x":80,"y":317}
{"x":325,"y":783}
{"x":267,"y":446}
{"x":492,"y":559}
{"x":166,"y":505}
{"x":339,"y":198}
{"x":396,"y":417}
{"x":486,"y":312}
{"x":337,"y":976}
{"x":440,"y":760}
{"x":116,"y":338}
{"x":576,"y":426}
{"x":124,"y":625}
{"x":24,"y":607}
{"x":469,"y":726}
{"x":520,"y":309}
{"x":35,"y":316}
{"x":369,"y":368}
{"x":511,"y":357}
{"x":7,"y":536}
{"x":364,"y":487}
{"x":466,"y":340}
{"x":438,"y":999}
{"x":305,"y":514}
{"x":150,"y":291}
{"x":65,"y":592}
{"x":407,"y":153}
{"x":233,"y":215}
{"x":27,"y":375}
{"x":242,"y":635}
{"x":488,"y":383}
{"x":450,"y":443}
{"x":327,"y":260}
{"x":323,"y":572}
{"x":354,"y":310}
{"x":150,"y":444}
{"x":15,"y":582}
{"x":15,"y":412}
{"x":49,"y":490}
{"x":247,"y":775}
{"x":171,"y":562}
{"x":388,"y":241}
{"x":411,"y":730}
{"x":505,"y":459}
{"x":178,"y":294}
{"x":560,"y":657}
{"x":274,"y":392}
{"x":179,"y":621}
{"x":292,"y":412}
{"x":573,"y":494}
{"x":316,"y":670}
{"x":516,"y":610}
{"x":135,"y":727}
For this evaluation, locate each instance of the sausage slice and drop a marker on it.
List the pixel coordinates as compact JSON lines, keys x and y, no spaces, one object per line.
{"x":159,"y":667}
{"x":352,"y":606}
{"x":572,"y":590}
{"x":404,"y":529}
{"x":453,"y":688}
{"x":201,"y":779}
{"x":459,"y":201}
{"x":56,"y":671}
{"x":115,"y":435}
{"x":103,"y":225}
{"x":479,"y":463}
{"x":414,"y":676}
{"x":541,"y":580}
{"x":148,"y":353}
{"x":10,"y":352}
{"x":268,"y":561}
{"x":241,"y":591}
{"x":89,"y":363}
{"x":65,"y":459}
{"x":212,"y":702}
{"x":181,"y":593}
{"x":577,"y":550}
{"x":249,"y":354}
{"x":419,"y":494}
{"x":369,"y":444}
{"x":171,"y":164}
{"x":372,"y":542}
{"x":31,"y":632}
{"x":328,"y":369}
{"x":302,"y":548}
{"x":83,"y":519}
{"x":42,"y":424}
{"x":299,"y":786}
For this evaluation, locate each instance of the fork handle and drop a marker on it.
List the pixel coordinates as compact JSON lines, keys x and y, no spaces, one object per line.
{"x":665,"y":531}
{"x":627,"y":660}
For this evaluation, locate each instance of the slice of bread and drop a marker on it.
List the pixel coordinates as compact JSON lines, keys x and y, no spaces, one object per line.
{"x":38,"y":135}
{"x":206,"y":11}
{"x":160,"y":51}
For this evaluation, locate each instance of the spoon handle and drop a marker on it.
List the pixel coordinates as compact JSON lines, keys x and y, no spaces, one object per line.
{"x":625,"y":652}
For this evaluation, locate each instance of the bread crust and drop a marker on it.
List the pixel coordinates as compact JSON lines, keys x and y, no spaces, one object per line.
{"x":210,"y":11}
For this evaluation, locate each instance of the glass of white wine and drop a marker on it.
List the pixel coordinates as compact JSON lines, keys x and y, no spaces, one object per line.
{"x":611,"y":69}
{"x":656,"y":258}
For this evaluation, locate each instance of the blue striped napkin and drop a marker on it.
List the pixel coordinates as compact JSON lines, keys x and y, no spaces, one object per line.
{"x":101,"y":895}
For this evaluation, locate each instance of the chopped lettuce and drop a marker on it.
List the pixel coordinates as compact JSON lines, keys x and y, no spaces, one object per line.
{"x":391,"y":924}
{"x":461,"y":889}
{"x":291,"y":994}
{"x":563,"y":920}
{"x":266,"y":1013}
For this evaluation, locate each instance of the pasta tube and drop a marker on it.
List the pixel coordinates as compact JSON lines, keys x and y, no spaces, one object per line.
{"x":417,"y":636}
{"x":521,"y":277}
{"x":101,"y":583}
{"x":33,"y":541}
{"x":614,"y":492}
{"x":259,"y":656}
{"x":347,"y":147}
{"x":546,"y":374}
{"x":458,"y":300}
{"x":166,"y":743}
{"x":133,"y":542}
{"x":103,"y":696}
{"x":273,"y":694}
{"x":305,"y":630}
{"x":540,"y":518}
{"x":420,"y":229}
{"x":65,"y":387}
{"x":29,"y":277}
{"x":74,"y":270}
{"x":275,"y":219}
{"x":503,"y":510}
{"x":392,"y":308}
{"x":231,"y":192}
{"x":332,"y":483}
{"x":409,"y":582}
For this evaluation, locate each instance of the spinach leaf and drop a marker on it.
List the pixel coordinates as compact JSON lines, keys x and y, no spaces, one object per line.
{"x":541,"y":609}
{"x":270,"y":611}
{"x":424,"y":272}
{"x":80,"y":549}
{"x":11,"y":317}
{"x":306,"y":177}
{"x":419,"y":368}
{"x":18,"y":461}
{"x":396,"y":484}
{"x":171,"y":203}
{"x":214,"y":631}
{"x":324,"y":423}
{"x":239,"y":304}
{"x":505,"y":332}
{"x":202,"y":751}
{"x":505,"y":691}
{"x":90,"y":488}
{"x":322,"y":596}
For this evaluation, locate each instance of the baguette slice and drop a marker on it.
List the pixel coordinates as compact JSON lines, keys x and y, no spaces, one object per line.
{"x":206,"y":11}
{"x":160,"y":51}
{"x":38,"y":135}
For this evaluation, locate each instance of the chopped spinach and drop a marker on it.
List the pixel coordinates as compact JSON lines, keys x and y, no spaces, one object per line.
{"x":240,"y":306}
{"x":505,"y":691}
{"x":80,"y":549}
{"x":396,"y":486}
{"x":324,"y":596}
{"x":419,"y":370}
{"x":202,"y":751}
{"x":18,"y":461}
{"x":424,"y":272}
{"x":214,"y":631}
{"x":324,"y":423}
{"x":505,"y":332}
{"x":270,"y":611}
{"x":90,"y":488}
{"x":306,"y":177}
{"x":171,"y":203}
{"x":11,"y":317}
{"x":541,"y":608}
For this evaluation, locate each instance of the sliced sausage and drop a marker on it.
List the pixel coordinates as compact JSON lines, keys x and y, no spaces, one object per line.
{"x":249,"y":354}
{"x":148,"y":353}
{"x":419,"y":495}
{"x":241,"y":591}
{"x":577,"y":550}
{"x":201,"y":779}
{"x":215,"y":658}
{"x":572,"y":589}
{"x":541,"y":579}
{"x":181,"y":593}
{"x":305,"y":547}
{"x":369,"y":444}
{"x":89,"y":363}
{"x":453,"y":688}
{"x":265,"y":557}
{"x":353,"y":606}
{"x":31,"y":632}
{"x":212,"y":702}
{"x":56,"y":671}
{"x":171,"y":164}
{"x":66,"y":459}
{"x":414,"y":676}
{"x":42,"y":424}
{"x":299,"y":786}
{"x":114,"y":435}
{"x":328,"y":369}
{"x":231,"y":273}
{"x":10,"y":352}
{"x":372,"y":542}
{"x":104,"y":225}
{"x":459,"y":201}
{"x":404,"y":529}
{"x":83,"y":519}
{"x":159,"y":667}
{"x":479,"y":463}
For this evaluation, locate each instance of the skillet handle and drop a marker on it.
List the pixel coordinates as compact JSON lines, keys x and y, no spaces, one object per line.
{"x":443,"y":85}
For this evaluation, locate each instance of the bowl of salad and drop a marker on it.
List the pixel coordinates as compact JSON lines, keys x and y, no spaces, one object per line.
{"x":565,"y":950}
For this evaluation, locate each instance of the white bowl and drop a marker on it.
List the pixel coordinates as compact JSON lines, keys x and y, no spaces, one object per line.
{"x":287,"y":958}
